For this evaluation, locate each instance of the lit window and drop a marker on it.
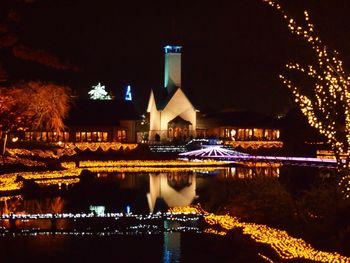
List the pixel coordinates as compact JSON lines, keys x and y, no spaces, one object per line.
{"x":66,"y":136}
{"x":104,"y":136}
{"x":77,"y":137}
{"x":44,"y":136}
{"x":88,"y":136}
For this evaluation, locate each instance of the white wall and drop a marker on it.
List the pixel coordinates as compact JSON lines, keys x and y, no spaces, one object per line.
{"x":179,"y":105}
{"x":172,"y":70}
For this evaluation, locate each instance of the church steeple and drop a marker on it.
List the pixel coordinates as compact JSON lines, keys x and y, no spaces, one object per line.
{"x":172,"y":67}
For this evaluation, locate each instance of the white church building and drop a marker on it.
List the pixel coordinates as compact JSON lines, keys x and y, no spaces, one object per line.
{"x":171,"y":114}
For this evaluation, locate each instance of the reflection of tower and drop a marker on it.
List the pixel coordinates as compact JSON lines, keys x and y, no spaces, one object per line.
{"x":160,"y":188}
{"x":171,"y":243}
{"x":172,"y":67}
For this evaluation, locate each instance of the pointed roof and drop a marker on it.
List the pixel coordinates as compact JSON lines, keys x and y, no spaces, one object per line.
{"x":162,"y":97}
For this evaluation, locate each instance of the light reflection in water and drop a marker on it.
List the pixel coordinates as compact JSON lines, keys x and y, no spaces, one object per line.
{"x":172,"y":187}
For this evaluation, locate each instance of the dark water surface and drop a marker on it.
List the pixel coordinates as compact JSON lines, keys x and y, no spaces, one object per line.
{"x":145,"y":192}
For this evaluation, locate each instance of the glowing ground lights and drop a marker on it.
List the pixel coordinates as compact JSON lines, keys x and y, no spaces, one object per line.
{"x":285,"y":246}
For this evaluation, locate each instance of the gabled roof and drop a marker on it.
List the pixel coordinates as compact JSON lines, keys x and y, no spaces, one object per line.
{"x":101,"y":112}
{"x":162,"y":97}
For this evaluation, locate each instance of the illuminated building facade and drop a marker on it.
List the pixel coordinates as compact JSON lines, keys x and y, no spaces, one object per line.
{"x":95,"y":121}
{"x":238,"y":126}
{"x":172,"y":115}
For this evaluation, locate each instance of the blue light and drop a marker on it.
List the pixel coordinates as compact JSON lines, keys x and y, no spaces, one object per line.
{"x":128,"y":95}
{"x":128,"y":209}
{"x":172,"y":49}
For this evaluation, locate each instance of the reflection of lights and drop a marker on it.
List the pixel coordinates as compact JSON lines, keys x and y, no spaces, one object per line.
{"x":250,"y":171}
{"x":7,"y":198}
{"x":193,"y":209}
{"x":147,"y":169}
{"x":60,"y":181}
{"x":286,"y":247}
{"x":8,"y":181}
{"x":141,"y":163}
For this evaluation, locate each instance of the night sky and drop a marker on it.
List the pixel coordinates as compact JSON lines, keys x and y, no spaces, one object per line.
{"x":233,"y":50}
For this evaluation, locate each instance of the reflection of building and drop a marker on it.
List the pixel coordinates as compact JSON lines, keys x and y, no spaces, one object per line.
{"x":95,"y":121}
{"x":251,"y":171}
{"x":172,"y":115}
{"x":175,"y":189}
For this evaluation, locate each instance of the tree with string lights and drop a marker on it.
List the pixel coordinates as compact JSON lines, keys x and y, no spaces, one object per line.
{"x":327,"y":109}
{"x":33,"y":105}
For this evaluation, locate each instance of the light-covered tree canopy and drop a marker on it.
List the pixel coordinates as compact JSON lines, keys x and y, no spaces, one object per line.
{"x":34,"y":105}
{"x":327,"y":107}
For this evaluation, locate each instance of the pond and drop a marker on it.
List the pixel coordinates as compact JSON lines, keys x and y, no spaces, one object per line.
{"x":296,"y":199}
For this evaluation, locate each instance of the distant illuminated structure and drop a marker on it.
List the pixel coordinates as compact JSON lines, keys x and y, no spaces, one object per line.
{"x":128,"y":94}
{"x":172,"y":115}
{"x":98,"y":92}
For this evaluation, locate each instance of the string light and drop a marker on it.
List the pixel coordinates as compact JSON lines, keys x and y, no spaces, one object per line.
{"x":254,"y":145}
{"x":105,"y":146}
{"x":286,"y":247}
{"x":328,"y":111}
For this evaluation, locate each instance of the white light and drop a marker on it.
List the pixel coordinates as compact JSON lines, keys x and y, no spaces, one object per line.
{"x":98,"y":92}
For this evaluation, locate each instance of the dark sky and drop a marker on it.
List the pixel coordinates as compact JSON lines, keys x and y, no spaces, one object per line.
{"x":233,"y":50}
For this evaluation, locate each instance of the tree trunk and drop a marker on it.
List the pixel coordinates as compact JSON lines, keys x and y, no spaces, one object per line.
{"x":4,"y":146}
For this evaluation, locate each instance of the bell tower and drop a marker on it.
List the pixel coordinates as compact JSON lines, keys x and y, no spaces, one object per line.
{"x":172,"y":67}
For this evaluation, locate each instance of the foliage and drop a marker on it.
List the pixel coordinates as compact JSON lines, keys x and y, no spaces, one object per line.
{"x":33,"y":105}
{"x":327,"y":109}
{"x":11,"y":111}
{"x":262,"y":199}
